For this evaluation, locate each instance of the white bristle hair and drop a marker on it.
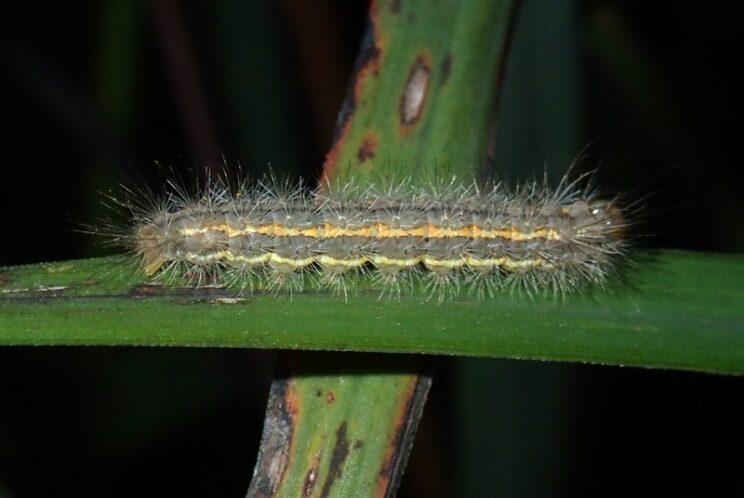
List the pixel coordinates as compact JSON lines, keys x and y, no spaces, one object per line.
{"x":447,"y":237}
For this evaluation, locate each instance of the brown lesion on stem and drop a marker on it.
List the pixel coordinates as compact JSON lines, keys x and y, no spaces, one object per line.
{"x":367,"y":65}
{"x":277,"y":441}
{"x":4,"y":279}
{"x":368,"y":147}
{"x":498,"y":84}
{"x":411,"y":408}
{"x":338,"y":459}
{"x":445,"y":68}
{"x":311,"y":477}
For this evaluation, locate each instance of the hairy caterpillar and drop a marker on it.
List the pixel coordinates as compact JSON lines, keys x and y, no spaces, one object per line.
{"x":286,"y":237}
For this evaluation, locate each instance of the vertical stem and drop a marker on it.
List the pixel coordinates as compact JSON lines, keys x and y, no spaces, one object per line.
{"x":421,"y":104}
{"x":339,"y":422}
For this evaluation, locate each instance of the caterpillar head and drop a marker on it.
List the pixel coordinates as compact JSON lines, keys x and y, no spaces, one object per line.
{"x":598,"y":218}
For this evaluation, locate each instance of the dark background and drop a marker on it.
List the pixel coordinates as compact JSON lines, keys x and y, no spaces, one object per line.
{"x":95,"y":92}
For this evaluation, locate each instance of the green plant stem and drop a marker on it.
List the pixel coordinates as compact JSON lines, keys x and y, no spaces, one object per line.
{"x":421,"y":104}
{"x":339,"y":425}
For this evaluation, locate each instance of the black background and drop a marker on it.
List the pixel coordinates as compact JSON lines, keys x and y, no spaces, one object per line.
{"x":89,"y":94}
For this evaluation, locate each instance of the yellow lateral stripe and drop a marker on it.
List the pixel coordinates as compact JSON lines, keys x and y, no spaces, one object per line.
{"x":227,"y":256}
{"x":250,"y":260}
{"x":376,"y":259}
{"x":378,"y":231}
{"x":444,"y":263}
{"x":349,"y":263}
{"x":379,"y":260}
{"x":297,"y":263}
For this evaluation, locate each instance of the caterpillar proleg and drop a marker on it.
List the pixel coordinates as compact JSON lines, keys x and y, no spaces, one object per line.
{"x":449,"y":236}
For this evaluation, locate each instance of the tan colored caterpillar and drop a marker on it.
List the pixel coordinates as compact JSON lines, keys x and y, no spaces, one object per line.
{"x":287,"y":237}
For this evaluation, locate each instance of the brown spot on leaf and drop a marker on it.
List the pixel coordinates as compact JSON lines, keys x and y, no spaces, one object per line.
{"x":446,"y":68}
{"x":330,"y":397}
{"x":368,"y":148}
{"x":311,"y":477}
{"x":53,"y":289}
{"x":358,"y":444}
{"x":413,"y":100}
{"x":147,"y":290}
{"x":213,"y":294}
{"x":229,"y":300}
{"x":338,"y":459}
{"x":45,"y":291}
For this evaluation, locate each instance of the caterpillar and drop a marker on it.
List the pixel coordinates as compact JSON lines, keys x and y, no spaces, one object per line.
{"x":448,"y":236}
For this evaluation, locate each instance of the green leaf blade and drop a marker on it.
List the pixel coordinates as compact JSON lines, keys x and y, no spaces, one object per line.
{"x":682,"y":311}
